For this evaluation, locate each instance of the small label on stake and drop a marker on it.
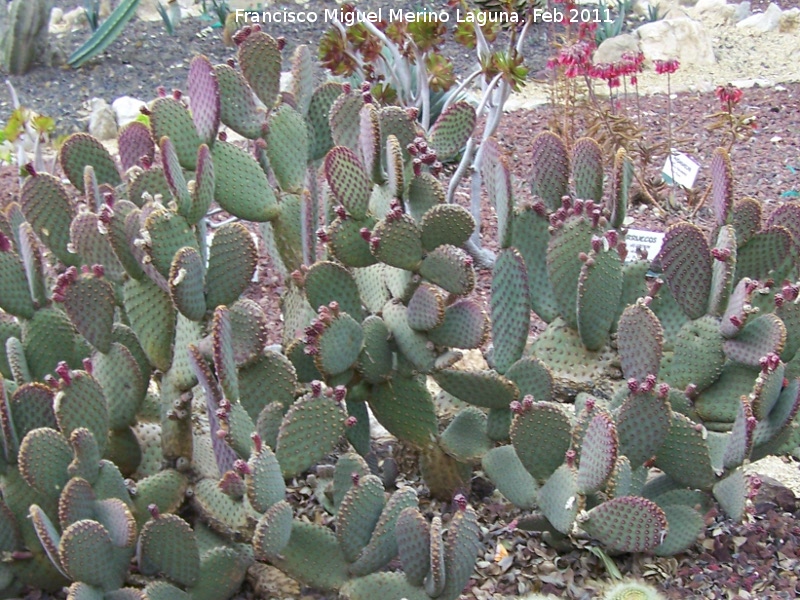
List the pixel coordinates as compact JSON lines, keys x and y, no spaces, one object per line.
{"x":639,"y":238}
{"x":683,"y":172}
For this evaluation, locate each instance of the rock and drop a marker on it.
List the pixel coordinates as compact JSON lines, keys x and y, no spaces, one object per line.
{"x":126,"y":109}
{"x":612,"y":49}
{"x":741,"y":12}
{"x":102,"y":121}
{"x":790,"y":21}
{"x":763,"y":22}
{"x":683,"y":38}
{"x":717,"y":11}
{"x":703,"y":6}
{"x":775,"y":493}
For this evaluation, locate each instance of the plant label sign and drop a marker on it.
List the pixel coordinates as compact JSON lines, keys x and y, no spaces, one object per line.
{"x":639,"y":238}
{"x":683,"y":170}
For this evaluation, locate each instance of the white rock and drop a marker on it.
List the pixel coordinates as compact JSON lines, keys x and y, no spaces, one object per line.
{"x":717,"y":11}
{"x":102,"y":121}
{"x":612,"y":49}
{"x":763,"y":22}
{"x":286,"y":81}
{"x":684,"y":39}
{"x":790,"y":21}
{"x":708,"y":5}
{"x":126,"y":109}
{"x":742,"y":12}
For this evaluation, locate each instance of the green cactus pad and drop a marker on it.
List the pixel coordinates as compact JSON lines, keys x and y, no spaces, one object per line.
{"x":684,"y":454}
{"x":238,"y":109}
{"x":564,"y":265}
{"x":170,"y":118}
{"x":135,"y":142}
{"x":344,"y":118}
{"x":122,"y":230}
{"x":462,"y":547}
{"x":640,"y":340}
{"x":152,"y":181}
{"x":643,"y":423}
{"x":746,"y":219}
{"x":382,"y":546}
{"x":446,"y":224}
{"x":270,"y":378}
{"x":310,"y":430}
{"x":686,"y":259}
{"x":87,"y":241}
{"x":760,"y":336}
{"x":549,"y":169}
{"x":780,"y":417}
{"x":48,"y":208}
{"x":413,"y":544}
{"x":739,"y":444}
{"x":506,"y":471}
{"x":313,"y":557}
{"x":81,"y":544}
{"x":530,"y":236}
{"x":222,"y":353}
{"x":450,"y":268}
{"x":346,"y":242}
{"x":348,"y":181}
{"x":626,"y":524}
{"x":532,"y":377}
{"x":765,"y":255}
{"x":186,"y":283}
{"x":31,"y":406}
{"x":452,"y":129}
{"x":204,"y":95}
{"x":377,"y":359}
{"x":465,"y":326}
{"x":465,"y":437}
{"x":82,"y":403}
{"x":426,"y":308}
{"x":302,"y":86}
{"x":320,"y":140}
{"x":15,"y":295}
{"x":120,"y":377}
{"x":685,"y":525}
{"x":731,"y":493}
{"x":559,"y":499}
{"x":166,"y":489}
{"x":496,"y":176}
{"x":598,"y":455}
{"x":339,"y":345}
{"x":152,"y":318}
{"x":89,"y":302}
{"x":287,"y":147}
{"x":232,"y":260}
{"x":241,"y":187}
{"x":400,"y":242}
{"x":768,"y":386}
{"x":273,"y":531}
{"x":414,"y":345}
{"x":587,"y":170}
{"x":174,"y":175}
{"x":599,"y":292}
{"x":249,"y":328}
{"x":260,"y":57}
{"x":303,"y":363}
{"x":327,"y":282}
{"x":167,"y":545}
{"x":48,"y":338}
{"x":480,"y":388}
{"x":720,"y":401}
{"x":44,"y":456}
{"x":80,"y":150}
{"x":405,"y":408}
{"x":358,"y":514}
{"x":369,"y":140}
{"x":424,"y":192}
{"x":510,"y":309}
{"x":542,"y":421}
{"x":698,"y":355}
{"x":168,"y":232}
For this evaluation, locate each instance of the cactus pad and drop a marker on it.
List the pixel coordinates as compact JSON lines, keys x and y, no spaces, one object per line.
{"x":450,"y":268}
{"x":549,"y":169}
{"x":80,"y":150}
{"x":241,"y":186}
{"x":232,"y":260}
{"x":510,"y":309}
{"x":686,"y":259}
{"x":640,"y":339}
{"x":541,"y":421}
{"x":204,"y":95}
{"x":405,"y":408}
{"x":626,"y":524}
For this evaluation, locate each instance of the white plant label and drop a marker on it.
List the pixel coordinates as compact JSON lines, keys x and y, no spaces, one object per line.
{"x":639,"y":238}
{"x":683,"y":172}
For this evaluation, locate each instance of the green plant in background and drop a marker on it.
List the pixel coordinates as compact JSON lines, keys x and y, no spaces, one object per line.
{"x":25,"y":131}
{"x":92,"y":11}
{"x":609,"y":27}
{"x":25,"y":34}
{"x":105,"y":34}
{"x":170,"y":15}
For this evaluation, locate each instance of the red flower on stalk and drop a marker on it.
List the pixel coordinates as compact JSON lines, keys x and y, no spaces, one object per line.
{"x":729,"y":95}
{"x":667,"y":66}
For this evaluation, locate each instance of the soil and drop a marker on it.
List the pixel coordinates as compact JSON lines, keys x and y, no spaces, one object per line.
{"x":756,"y":559}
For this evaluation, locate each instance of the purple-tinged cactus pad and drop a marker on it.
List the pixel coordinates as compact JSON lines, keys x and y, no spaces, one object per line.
{"x":369,"y":140}
{"x":788,"y":216}
{"x":746,"y":219}
{"x":626,"y":524}
{"x":686,"y":259}
{"x":426,"y":308}
{"x":767,"y":254}
{"x":204,"y":96}
{"x":222,"y":352}
{"x":135,"y":142}
{"x":767,"y":389}
{"x":598,"y":454}
{"x":260,"y":58}
{"x":722,"y":270}
{"x":88,"y":242}
{"x":174,"y":175}
{"x":721,"y":186}
{"x":640,"y":340}
{"x":740,"y":442}
{"x":348,"y":181}
{"x":739,"y":308}
{"x":80,"y":150}
{"x":766,"y":334}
